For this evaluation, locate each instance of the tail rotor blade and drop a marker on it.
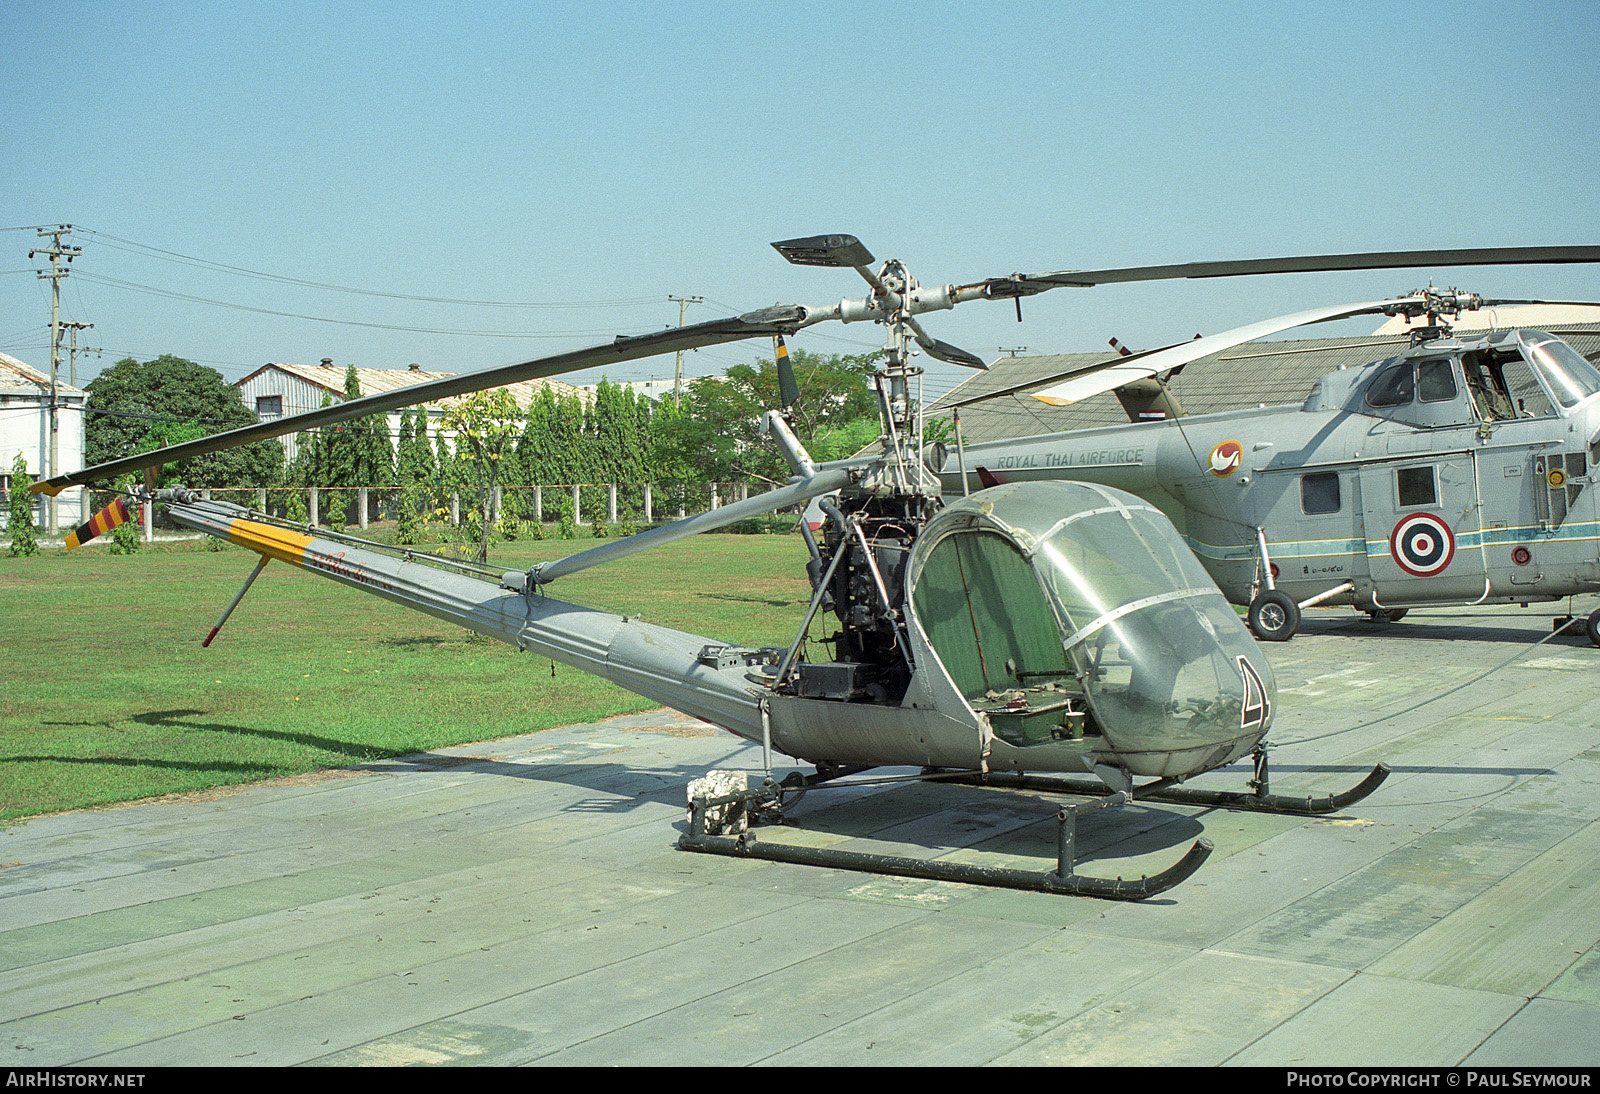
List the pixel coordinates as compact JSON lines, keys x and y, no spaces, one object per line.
{"x":98,"y":525}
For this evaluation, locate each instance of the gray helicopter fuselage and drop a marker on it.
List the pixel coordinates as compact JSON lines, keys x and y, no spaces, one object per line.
{"x":1459,"y":471}
{"x":1049,"y":627}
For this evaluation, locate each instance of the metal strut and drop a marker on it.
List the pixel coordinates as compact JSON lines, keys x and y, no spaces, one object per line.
{"x":262,"y":565}
{"x":1257,"y":800}
{"x":1063,"y":880}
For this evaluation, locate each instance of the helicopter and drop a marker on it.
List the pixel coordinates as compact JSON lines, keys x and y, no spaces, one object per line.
{"x":1020,"y":634}
{"x":1451,"y":473}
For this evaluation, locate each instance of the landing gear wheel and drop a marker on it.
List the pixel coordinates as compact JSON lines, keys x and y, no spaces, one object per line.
{"x":1592,"y":627}
{"x":1274,"y":617}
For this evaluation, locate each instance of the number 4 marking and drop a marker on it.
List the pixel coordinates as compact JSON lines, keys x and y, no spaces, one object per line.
{"x":1257,"y":711}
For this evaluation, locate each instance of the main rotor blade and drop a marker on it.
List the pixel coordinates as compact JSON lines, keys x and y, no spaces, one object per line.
{"x":1029,"y":284}
{"x":1118,"y":371}
{"x":824,"y":481}
{"x":781,"y":319}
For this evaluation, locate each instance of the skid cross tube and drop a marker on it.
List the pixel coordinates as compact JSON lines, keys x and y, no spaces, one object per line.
{"x":1064,"y":880}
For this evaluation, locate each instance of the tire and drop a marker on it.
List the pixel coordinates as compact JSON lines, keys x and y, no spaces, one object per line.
{"x":1274,"y":617}
{"x":1592,"y":627}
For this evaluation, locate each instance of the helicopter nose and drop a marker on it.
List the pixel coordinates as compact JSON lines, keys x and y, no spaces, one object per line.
{"x":1180,"y":686}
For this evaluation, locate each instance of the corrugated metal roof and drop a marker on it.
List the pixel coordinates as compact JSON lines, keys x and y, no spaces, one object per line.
{"x":1251,"y":375}
{"x":16,"y":375}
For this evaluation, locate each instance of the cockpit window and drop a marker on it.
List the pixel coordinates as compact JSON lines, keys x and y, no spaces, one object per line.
{"x":1502,"y":387}
{"x":1526,"y":394}
{"x":1392,"y":387}
{"x":981,"y":606}
{"x":1571,"y":378}
{"x":1436,"y":380}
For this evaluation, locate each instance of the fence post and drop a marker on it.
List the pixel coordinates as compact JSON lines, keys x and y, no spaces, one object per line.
{"x":455,"y":510}
{"x":577,"y":509}
{"x":361,"y":505}
{"x":611,"y":504}
{"x":648,"y":519}
{"x":538,"y":504}
{"x":313,"y":514}
{"x":261,"y":499}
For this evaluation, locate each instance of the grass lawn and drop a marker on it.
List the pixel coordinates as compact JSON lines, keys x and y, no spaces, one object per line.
{"x":107,"y":696}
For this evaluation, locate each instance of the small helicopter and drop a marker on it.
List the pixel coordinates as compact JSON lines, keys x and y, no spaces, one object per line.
{"x":1034,"y":628}
{"x":1451,"y":473}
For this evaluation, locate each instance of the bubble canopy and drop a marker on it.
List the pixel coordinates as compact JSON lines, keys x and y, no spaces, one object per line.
{"x":1072,"y":616}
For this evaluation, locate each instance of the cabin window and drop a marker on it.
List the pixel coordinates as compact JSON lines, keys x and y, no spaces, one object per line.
{"x":1415,"y":486}
{"x":1392,"y":386}
{"x":269,"y":405}
{"x":1319,"y":493}
{"x":1436,"y":380}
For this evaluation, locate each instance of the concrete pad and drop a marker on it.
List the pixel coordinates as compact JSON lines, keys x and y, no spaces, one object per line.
{"x":523,"y":901}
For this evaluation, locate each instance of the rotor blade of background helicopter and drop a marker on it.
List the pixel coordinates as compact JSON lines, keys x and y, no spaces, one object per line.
{"x":767,"y":321}
{"x":1119,"y":372}
{"x":1056,"y":378}
{"x":1029,"y":284}
{"x":1500,"y":302}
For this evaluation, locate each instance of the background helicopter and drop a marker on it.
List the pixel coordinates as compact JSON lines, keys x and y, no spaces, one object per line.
{"x":1453,"y":472}
{"x":1038,"y":626}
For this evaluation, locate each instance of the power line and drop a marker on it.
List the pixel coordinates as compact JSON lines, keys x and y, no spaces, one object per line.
{"x":189,"y":260}
{"x":454,"y":332}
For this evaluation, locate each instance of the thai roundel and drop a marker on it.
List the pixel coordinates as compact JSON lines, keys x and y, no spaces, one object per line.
{"x":1422,"y":545}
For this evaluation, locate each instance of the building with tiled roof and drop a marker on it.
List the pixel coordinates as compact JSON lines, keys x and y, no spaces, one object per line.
{"x":278,"y":389}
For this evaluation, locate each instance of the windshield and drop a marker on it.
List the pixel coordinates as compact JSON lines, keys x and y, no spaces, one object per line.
{"x":1161,"y":652}
{"x":1570,"y":378}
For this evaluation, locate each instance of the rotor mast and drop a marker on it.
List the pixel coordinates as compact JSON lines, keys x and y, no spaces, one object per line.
{"x":895,"y":300}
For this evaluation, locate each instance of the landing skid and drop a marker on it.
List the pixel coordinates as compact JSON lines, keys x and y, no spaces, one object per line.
{"x":1064,"y":880}
{"x":710,"y":817}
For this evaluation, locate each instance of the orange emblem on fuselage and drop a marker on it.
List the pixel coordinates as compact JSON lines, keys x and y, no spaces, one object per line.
{"x":1225,"y":458}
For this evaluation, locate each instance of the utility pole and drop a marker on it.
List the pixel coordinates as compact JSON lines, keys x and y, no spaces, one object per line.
{"x":677,"y":382}
{"x":74,"y":327}
{"x":57,"y":251}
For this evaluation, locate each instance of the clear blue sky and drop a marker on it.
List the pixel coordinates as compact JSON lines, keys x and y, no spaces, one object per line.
{"x":603,"y":156}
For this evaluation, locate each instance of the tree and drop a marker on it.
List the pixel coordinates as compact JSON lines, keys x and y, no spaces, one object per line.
{"x":411,"y":476}
{"x":553,"y":450}
{"x":485,"y":425}
{"x":132,"y":407}
{"x":616,"y":441}
{"x":24,"y":537}
{"x":714,"y":435}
